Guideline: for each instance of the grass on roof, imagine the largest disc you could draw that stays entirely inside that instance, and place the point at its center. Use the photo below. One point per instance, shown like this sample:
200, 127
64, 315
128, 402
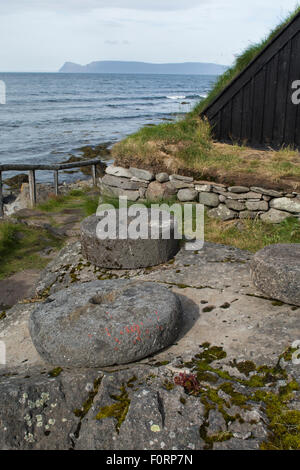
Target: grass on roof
241, 62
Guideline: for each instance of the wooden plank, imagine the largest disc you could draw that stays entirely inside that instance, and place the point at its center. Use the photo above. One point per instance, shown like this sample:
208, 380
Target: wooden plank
1, 196
291, 129
225, 132
32, 188
56, 182
258, 107
270, 100
94, 174
253, 68
281, 96
247, 114
63, 166
237, 112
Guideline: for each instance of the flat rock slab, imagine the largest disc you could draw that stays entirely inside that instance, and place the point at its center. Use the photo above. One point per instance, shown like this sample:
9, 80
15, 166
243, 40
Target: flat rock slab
17, 287
104, 323
125, 252
275, 270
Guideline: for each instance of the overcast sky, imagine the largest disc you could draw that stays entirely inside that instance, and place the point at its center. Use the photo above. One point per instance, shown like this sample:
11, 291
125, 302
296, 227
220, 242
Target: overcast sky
40, 35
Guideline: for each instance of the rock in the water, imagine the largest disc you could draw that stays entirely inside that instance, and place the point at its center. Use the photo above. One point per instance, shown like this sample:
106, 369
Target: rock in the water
222, 212
104, 323
275, 270
273, 216
286, 204
156, 243
186, 195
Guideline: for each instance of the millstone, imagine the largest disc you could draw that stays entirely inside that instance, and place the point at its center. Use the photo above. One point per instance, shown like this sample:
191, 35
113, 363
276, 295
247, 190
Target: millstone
126, 252
105, 323
275, 270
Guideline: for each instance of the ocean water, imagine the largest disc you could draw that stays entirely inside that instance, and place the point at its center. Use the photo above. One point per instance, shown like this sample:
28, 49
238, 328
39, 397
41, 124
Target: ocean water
48, 117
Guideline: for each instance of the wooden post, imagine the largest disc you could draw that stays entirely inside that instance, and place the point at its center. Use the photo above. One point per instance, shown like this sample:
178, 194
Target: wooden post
1, 196
94, 173
56, 182
32, 188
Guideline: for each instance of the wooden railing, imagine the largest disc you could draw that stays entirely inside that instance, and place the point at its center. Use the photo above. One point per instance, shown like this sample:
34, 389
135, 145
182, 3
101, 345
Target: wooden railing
32, 180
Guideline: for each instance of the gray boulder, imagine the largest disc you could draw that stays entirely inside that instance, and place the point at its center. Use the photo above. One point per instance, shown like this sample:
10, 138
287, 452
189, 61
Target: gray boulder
286, 204
222, 212
120, 249
275, 270
257, 206
235, 205
274, 216
209, 199
104, 323
162, 177
142, 174
186, 195
158, 191
118, 171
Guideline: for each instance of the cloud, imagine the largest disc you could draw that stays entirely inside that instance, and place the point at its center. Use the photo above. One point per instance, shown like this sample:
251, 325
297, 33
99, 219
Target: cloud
14, 6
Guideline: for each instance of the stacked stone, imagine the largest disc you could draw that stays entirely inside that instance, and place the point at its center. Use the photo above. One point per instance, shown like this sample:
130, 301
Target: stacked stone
221, 201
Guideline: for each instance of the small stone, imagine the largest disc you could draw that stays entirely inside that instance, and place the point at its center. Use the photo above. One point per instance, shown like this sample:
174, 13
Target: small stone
186, 195
142, 174
222, 198
186, 179
257, 206
122, 183
286, 204
238, 189
118, 171
159, 191
222, 212
162, 177
248, 215
235, 205
267, 192
181, 184
273, 216
209, 199
203, 187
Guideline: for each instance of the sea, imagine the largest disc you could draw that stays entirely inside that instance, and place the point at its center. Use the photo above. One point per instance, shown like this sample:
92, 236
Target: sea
48, 117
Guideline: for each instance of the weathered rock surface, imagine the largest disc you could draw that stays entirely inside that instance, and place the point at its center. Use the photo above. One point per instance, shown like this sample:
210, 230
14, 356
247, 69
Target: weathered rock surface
286, 204
157, 191
185, 195
222, 212
274, 216
104, 323
162, 177
142, 174
209, 199
121, 251
275, 270
140, 407
118, 171
114, 192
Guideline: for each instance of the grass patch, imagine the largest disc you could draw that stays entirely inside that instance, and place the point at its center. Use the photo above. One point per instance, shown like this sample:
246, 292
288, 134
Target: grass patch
252, 235
20, 246
75, 199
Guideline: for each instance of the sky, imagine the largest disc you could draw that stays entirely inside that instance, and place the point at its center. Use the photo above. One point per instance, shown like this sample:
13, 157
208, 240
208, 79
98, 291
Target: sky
40, 35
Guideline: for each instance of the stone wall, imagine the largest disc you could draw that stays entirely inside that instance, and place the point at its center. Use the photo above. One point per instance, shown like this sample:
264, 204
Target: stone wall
221, 201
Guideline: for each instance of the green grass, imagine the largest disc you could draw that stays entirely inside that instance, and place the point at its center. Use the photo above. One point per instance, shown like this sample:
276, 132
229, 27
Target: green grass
20, 246
242, 61
75, 199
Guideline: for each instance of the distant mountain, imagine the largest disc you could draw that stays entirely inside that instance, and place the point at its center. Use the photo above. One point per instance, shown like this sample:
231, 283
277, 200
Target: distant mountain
187, 68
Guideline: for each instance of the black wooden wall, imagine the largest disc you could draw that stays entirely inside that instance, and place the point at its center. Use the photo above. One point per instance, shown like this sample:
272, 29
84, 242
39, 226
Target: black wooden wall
256, 107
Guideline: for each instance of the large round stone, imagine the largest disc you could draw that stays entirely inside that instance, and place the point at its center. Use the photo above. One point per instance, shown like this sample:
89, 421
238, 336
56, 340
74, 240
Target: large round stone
104, 323
122, 249
275, 270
